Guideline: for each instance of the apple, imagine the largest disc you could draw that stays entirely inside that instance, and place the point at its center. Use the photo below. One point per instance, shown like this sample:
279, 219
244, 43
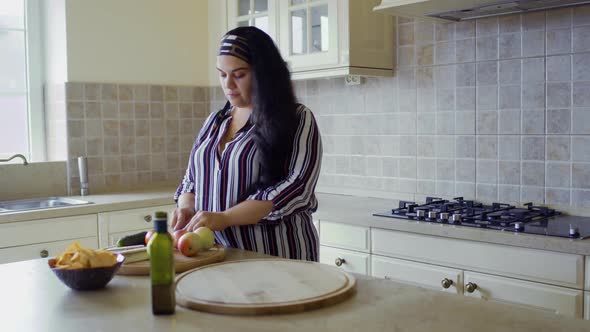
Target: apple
149, 235
188, 244
176, 236
207, 238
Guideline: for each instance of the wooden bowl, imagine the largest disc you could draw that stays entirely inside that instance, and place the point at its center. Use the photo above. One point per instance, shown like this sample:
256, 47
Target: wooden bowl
86, 279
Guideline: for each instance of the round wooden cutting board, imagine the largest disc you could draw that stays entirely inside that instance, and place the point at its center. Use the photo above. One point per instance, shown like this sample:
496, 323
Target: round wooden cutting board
181, 262
265, 286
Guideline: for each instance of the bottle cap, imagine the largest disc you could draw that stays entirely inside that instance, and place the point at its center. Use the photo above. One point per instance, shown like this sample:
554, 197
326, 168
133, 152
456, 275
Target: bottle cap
160, 225
161, 215
160, 222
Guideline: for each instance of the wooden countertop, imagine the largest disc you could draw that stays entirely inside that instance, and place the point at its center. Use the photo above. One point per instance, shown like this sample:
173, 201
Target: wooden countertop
33, 299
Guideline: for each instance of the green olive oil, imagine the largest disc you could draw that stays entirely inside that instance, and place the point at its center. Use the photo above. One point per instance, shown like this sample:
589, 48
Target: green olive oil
162, 267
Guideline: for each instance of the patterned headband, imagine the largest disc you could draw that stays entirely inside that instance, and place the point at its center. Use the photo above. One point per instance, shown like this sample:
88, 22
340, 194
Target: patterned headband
236, 46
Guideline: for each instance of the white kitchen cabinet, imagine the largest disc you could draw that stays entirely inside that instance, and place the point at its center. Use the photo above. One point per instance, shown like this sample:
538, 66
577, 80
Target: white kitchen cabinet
259, 13
587, 274
322, 38
42, 250
539, 279
587, 305
348, 260
309, 33
421, 8
418, 274
47, 230
45, 237
542, 297
114, 225
345, 236
522, 263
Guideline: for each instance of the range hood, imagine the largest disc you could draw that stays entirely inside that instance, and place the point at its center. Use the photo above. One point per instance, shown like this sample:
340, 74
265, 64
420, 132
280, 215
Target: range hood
460, 10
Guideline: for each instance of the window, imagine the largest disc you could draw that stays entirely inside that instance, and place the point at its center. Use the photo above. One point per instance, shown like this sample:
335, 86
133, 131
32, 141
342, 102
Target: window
253, 13
21, 115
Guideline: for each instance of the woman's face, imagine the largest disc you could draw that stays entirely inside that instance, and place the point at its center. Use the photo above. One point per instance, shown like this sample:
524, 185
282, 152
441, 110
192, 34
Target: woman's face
235, 77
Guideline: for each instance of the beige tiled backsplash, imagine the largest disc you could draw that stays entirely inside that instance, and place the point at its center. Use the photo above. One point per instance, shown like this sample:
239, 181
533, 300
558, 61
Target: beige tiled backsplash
496, 109
133, 135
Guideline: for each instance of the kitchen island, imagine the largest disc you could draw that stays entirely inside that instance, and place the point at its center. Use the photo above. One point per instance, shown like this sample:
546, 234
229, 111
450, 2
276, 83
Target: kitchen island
33, 299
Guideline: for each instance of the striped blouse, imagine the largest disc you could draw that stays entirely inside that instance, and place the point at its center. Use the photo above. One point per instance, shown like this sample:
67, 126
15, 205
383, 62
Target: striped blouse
220, 181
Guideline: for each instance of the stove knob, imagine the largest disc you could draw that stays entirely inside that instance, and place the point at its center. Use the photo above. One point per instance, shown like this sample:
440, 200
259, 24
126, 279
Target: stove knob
431, 214
456, 217
421, 214
574, 233
444, 216
518, 227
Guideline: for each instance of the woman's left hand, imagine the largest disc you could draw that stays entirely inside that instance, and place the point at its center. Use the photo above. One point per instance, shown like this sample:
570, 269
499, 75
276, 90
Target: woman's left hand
215, 221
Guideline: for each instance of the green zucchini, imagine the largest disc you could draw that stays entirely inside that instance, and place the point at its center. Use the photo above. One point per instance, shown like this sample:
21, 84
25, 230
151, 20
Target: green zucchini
132, 240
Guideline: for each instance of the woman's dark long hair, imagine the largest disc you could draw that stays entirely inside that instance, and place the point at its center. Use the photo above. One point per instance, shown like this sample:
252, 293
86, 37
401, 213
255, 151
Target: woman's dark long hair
274, 114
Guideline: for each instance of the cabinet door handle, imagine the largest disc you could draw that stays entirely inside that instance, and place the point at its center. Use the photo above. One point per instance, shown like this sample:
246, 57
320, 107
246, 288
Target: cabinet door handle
339, 261
147, 218
44, 253
470, 287
446, 283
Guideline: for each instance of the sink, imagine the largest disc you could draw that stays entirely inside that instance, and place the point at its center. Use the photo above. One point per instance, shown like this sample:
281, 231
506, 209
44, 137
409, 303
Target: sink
39, 203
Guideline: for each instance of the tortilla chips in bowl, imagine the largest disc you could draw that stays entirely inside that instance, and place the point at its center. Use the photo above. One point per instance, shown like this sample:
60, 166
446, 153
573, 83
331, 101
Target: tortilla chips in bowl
82, 268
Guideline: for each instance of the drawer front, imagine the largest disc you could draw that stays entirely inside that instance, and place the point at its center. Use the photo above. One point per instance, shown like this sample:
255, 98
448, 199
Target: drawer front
127, 222
356, 262
587, 305
542, 297
21, 253
418, 274
316, 223
47, 230
345, 236
523, 263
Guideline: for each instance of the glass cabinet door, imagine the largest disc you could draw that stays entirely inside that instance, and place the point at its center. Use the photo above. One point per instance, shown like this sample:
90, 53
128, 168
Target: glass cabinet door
259, 13
309, 31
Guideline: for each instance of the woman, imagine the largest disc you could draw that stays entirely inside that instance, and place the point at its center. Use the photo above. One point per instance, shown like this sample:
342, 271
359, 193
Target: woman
254, 165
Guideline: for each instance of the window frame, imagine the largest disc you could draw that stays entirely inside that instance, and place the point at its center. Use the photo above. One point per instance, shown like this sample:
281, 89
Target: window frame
36, 149
35, 78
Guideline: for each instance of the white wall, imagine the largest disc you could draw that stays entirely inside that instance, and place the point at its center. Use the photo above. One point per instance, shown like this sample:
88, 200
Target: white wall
217, 28
54, 40
138, 41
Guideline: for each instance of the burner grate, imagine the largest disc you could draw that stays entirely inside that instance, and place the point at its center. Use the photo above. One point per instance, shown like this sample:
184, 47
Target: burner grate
470, 213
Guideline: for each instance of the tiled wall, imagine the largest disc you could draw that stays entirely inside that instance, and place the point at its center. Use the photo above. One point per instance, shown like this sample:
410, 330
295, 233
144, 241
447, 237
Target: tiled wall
496, 109
133, 135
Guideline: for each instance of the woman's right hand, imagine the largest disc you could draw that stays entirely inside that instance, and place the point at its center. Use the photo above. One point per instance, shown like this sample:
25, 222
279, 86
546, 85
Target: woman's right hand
181, 217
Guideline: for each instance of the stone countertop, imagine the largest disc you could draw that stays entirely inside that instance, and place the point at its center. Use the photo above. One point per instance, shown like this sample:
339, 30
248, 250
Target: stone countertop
35, 300
100, 203
353, 210
359, 211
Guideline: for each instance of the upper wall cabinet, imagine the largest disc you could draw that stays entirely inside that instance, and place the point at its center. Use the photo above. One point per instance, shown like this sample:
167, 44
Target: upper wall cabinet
323, 38
258, 13
420, 8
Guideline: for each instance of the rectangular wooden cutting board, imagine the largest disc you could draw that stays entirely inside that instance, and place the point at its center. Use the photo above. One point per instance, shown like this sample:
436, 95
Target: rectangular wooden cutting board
181, 262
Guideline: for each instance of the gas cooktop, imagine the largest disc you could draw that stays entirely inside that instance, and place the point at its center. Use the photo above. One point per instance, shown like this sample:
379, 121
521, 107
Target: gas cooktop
529, 219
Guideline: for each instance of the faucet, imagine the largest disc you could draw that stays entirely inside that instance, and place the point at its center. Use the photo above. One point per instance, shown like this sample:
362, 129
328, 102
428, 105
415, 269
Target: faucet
25, 162
83, 170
